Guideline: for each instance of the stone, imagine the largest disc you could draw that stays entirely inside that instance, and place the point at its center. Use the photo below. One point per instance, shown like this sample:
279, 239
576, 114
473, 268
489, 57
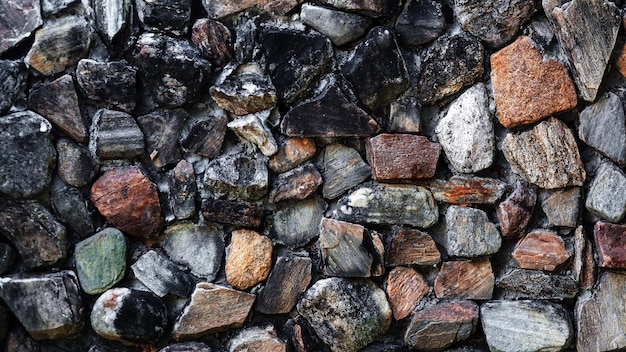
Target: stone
245, 91
199, 247
346, 314
342, 168
546, 155
451, 63
165, 15
526, 87
101, 260
115, 135
161, 130
233, 213
602, 126
288, 279
129, 315
343, 249
441, 325
405, 287
541, 250
221, 308
608, 182
72, 208
161, 276
7, 257
379, 203
75, 165
370, 8
113, 82
238, 177
583, 266
536, 284
405, 115
53, 7
127, 198
466, 131
298, 184
420, 22
469, 233
515, 211
13, 75
36, 234
224, 8
59, 45
620, 62
214, 41
27, 156
112, 18
187, 347
295, 224
204, 133
561, 206
412, 247
172, 69
249, 259
377, 85
293, 152
19, 19
526, 326
465, 280
340, 27
467, 190
252, 128
602, 20
609, 240
181, 191
49, 306
257, 339
393, 157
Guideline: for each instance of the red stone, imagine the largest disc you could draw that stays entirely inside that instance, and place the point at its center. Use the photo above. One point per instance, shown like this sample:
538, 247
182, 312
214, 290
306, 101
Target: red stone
467, 190
396, 157
405, 287
411, 246
541, 250
610, 244
465, 280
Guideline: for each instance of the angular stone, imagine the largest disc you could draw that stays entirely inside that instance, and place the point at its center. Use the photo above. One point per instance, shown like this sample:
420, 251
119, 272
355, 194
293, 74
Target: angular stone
221, 308
379, 203
36, 234
187, 347
602, 126
112, 82
610, 243
342, 168
412, 247
238, 177
213, 39
405, 287
127, 198
49, 306
18, 19
420, 22
343, 249
620, 62
13, 75
295, 224
27, 156
526, 87
535, 284
161, 129
181, 191
451, 63
393, 157
7, 257
246, 91
161, 276
101, 260
467, 190
546, 155
293, 152
561, 206
287, 281
540, 250
526, 326
298, 184
603, 199
440, 325
198, 247
171, 16
466, 131
469, 233
252, 128
224, 8
129, 315
465, 280
583, 266
115, 135
340, 27
75, 166
249, 259
404, 115
72, 208
346, 314
371, 8
233, 213
59, 45
515, 211
203, 134
112, 17
257, 339
53, 7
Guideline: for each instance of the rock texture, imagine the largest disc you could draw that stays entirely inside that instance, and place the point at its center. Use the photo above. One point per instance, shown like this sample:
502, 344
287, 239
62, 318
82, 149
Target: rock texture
541, 250
602, 126
19, 19
104, 250
465, 280
405, 287
392, 159
469, 233
608, 181
249, 259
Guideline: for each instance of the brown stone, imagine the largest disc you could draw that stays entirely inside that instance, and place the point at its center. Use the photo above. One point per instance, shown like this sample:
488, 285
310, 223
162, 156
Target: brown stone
405, 287
396, 157
584, 264
412, 246
249, 259
378, 267
127, 198
465, 280
515, 212
541, 250
528, 88
611, 244
233, 213
343, 249
467, 190
292, 153
298, 183
620, 63
213, 39
287, 281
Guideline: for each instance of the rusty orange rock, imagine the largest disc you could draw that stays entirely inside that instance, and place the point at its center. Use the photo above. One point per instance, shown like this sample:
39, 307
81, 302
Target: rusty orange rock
405, 287
541, 250
465, 280
249, 259
395, 157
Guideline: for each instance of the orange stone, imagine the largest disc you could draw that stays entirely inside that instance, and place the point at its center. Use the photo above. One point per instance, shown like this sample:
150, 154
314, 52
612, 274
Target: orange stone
411, 246
405, 287
395, 157
528, 88
465, 280
294, 152
249, 259
541, 250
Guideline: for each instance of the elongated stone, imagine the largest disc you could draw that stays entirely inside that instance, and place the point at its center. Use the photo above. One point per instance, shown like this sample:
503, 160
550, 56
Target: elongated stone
187, 347
72, 208
536, 284
115, 135
161, 130
165, 15
602, 126
213, 39
609, 240
469, 233
101, 260
343, 250
198, 247
371, 8
249, 259
335, 160
13, 75
76, 167
287, 281
541, 250
19, 18
112, 18
405, 287
602, 201
113, 82
412, 247
515, 211
223, 8
465, 280
561, 206
295, 224
298, 183
467, 190
293, 152
393, 158
238, 177
181, 192
340, 27
420, 22
234, 213
252, 128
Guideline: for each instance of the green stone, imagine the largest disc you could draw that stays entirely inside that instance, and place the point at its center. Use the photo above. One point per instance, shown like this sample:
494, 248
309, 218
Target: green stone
101, 260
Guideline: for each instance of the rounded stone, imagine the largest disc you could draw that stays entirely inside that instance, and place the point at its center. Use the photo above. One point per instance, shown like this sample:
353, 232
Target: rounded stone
101, 260
249, 259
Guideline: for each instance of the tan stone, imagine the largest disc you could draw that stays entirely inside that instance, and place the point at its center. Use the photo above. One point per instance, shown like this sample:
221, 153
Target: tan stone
405, 287
541, 250
292, 153
396, 157
411, 246
465, 280
249, 259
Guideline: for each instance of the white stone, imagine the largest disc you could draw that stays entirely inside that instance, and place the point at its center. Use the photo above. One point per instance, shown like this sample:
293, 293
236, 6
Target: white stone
253, 129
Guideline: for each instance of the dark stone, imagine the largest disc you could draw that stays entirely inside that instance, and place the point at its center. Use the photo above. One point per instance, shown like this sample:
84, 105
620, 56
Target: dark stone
161, 130
296, 223
72, 208
115, 135
535, 284
203, 134
245, 91
405, 115
515, 211
420, 22
18, 18
76, 167
159, 274
112, 18
371, 8
287, 281
237, 176
340, 27
343, 249
298, 183
342, 168
602, 126
213, 39
170, 16
7, 257
187, 347
111, 82
13, 75
233, 213
181, 191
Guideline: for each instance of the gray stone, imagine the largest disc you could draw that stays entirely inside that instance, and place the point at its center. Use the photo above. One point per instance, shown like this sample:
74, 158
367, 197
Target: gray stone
346, 314
115, 135
252, 128
602, 126
246, 91
72, 208
257, 339
371, 8
27, 156
420, 22
112, 82
112, 17
13, 76
18, 18
161, 275
379, 203
343, 249
287, 281
75, 166
52, 7
101, 260
535, 284
525, 326
238, 176
161, 130
181, 192
404, 115
224, 8
7, 257
298, 183
203, 133
469, 233
340, 27
187, 347
561, 206
604, 198
342, 168
170, 16
295, 224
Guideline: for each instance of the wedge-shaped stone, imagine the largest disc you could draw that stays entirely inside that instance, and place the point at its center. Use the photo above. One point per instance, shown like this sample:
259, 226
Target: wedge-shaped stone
469, 233
293, 152
203, 133
252, 128
396, 157
602, 126
610, 242
465, 280
515, 211
340, 27
405, 287
18, 18
161, 276
605, 198
287, 281
343, 249
412, 247
161, 129
541, 250
342, 168
467, 190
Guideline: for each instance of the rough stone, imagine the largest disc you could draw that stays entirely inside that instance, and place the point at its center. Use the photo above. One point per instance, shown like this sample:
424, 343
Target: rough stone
224, 8
161, 130
19, 18
203, 134
75, 166
295, 224
420, 22
602, 126
161, 276
469, 233
238, 177
343, 249
603, 199
198, 247
465, 280
371, 8
101, 260
213, 39
412, 247
53, 7
515, 211
181, 191
165, 15
246, 91
252, 128
342, 168
112, 18
72, 208
340, 27
257, 339
234, 213
288, 279
583, 266
187, 347
13, 75
536, 284
467, 190
610, 245
405, 115
249, 259
7, 257
112, 82
298, 183
115, 135
405, 287
293, 152
561, 206
393, 157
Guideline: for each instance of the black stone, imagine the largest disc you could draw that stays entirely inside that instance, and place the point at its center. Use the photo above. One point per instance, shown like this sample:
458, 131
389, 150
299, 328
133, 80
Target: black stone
203, 134
71, 207
233, 213
115, 135
171, 16
7, 257
139, 314
181, 192
111, 82
286, 282
76, 166
159, 274
535, 284
420, 22
213, 39
13, 76
161, 129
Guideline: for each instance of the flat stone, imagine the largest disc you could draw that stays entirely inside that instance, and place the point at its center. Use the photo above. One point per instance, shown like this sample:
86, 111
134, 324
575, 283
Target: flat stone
540, 250
181, 191
198, 247
72, 208
49, 306
346, 314
340, 27
127, 198
233, 213
161, 130
161, 276
608, 182
112, 18
298, 184
405, 115
343, 249
222, 308
342, 168
288, 279
393, 157
252, 128
249, 259
129, 315
187, 347
115, 135
19, 18
526, 87
101, 260
224, 8
371, 8
113, 82
246, 91
13, 75
465, 280
75, 165
602, 126
203, 134
420, 22
293, 152
610, 245
405, 287
27, 156
295, 224
238, 176
467, 190
7, 257
561, 206
379, 203
213, 39
535, 284
440, 325
526, 326
171, 16
469, 233
515, 211
257, 339
412, 247
466, 131
546, 155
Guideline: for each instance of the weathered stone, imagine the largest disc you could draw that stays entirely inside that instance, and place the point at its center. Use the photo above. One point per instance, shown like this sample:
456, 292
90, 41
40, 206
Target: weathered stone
246, 91
378, 253
342, 168
298, 183
53, 7
165, 15
257, 339
112, 82
343, 249
583, 266
465, 280
405, 287
466, 131
293, 152
224, 8
249, 259
115, 135
49, 306
379, 203
295, 224
112, 17
467, 190
526, 326
198, 247
252, 128
404, 115
393, 157
440, 325
561, 206
610, 243
340, 27
526, 87
213, 39
541, 250
13, 75
469, 233
234, 213
7, 257
101, 260
129, 315
371, 8
27, 156
127, 198
221, 308
412, 247
346, 314
287, 281
75, 166
620, 63
546, 155
238, 177
602, 126
187, 347
515, 211
161, 276
535, 284
181, 191
160, 129
18, 19
203, 134
603, 198
71, 207
420, 22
